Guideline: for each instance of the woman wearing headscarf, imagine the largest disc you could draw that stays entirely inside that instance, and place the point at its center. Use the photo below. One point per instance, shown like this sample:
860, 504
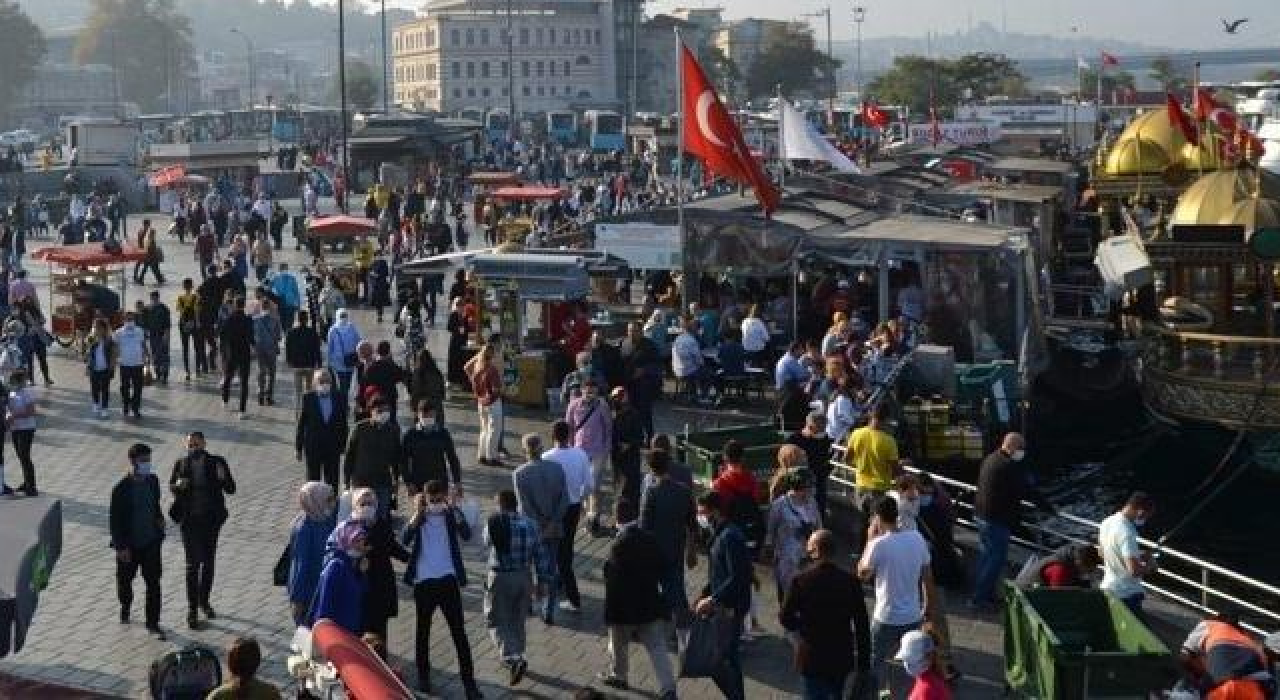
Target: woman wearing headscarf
340, 595
459, 329
789, 457
307, 537
793, 516
380, 600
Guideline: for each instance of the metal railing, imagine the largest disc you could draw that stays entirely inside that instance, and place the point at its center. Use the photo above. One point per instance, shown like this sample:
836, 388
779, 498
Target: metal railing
1212, 356
1201, 586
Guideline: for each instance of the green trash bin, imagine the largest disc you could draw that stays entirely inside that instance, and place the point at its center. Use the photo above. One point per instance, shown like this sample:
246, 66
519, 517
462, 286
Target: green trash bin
1066, 644
703, 451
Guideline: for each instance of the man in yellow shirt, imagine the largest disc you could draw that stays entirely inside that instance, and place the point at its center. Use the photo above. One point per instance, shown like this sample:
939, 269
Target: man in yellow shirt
362, 254
873, 454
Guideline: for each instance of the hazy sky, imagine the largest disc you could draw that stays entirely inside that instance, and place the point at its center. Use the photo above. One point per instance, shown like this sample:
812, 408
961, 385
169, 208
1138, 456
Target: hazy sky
1172, 23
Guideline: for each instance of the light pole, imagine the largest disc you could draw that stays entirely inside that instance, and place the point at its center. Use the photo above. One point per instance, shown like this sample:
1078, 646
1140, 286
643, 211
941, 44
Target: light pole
859, 14
831, 97
342, 91
385, 94
253, 78
511, 75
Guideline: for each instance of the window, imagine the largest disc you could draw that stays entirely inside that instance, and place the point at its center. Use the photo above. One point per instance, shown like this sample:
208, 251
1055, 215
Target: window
565, 37
584, 94
540, 91
471, 37
577, 36
525, 90
539, 69
457, 69
568, 91
504, 69
586, 37
484, 92
551, 66
552, 90
584, 60
506, 92
524, 69
471, 92
484, 69
551, 37
455, 37
431, 71
471, 70
457, 92
538, 36
566, 69
524, 36
430, 39
484, 37
597, 37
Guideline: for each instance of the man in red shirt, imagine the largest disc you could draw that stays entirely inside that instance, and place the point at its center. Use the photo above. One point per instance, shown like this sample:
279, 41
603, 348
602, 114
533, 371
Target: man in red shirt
740, 494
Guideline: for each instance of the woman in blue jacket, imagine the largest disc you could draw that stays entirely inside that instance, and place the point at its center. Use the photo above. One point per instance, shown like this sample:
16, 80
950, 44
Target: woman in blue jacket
307, 537
340, 596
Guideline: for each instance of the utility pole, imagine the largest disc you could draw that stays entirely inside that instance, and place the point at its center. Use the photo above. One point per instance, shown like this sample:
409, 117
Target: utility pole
637, 7
511, 73
385, 92
859, 14
342, 92
831, 96
115, 75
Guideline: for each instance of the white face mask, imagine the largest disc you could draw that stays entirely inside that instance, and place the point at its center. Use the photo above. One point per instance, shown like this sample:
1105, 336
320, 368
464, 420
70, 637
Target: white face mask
915, 667
142, 468
909, 508
364, 513
322, 389
1018, 455
381, 418
705, 521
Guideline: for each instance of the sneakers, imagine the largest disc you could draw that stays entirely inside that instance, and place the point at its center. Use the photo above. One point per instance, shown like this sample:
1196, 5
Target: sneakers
193, 620
518, 667
156, 632
570, 607
208, 611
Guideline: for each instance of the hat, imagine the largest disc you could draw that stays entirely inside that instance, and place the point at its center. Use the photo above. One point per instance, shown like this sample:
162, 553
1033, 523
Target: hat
1272, 642
915, 647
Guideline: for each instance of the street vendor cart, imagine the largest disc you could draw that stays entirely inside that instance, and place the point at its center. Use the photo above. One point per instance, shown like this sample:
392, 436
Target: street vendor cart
343, 235
86, 280
515, 229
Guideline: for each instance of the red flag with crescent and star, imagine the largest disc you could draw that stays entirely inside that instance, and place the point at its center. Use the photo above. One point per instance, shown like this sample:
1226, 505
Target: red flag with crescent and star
712, 135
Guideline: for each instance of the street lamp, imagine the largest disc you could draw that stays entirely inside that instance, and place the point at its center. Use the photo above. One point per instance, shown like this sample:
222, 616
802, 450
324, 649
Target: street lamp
859, 14
831, 99
385, 93
342, 93
253, 78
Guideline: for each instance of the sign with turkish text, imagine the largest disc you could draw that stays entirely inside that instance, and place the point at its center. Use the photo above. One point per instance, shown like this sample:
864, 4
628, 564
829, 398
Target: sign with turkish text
963, 133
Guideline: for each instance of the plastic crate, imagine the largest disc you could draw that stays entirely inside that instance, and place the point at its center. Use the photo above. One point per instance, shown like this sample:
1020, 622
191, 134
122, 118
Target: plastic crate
1064, 644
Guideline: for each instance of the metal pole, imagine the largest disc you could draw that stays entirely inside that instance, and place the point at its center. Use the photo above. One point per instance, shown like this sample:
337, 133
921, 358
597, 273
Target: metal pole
168, 80
831, 69
115, 75
635, 40
511, 72
859, 14
385, 93
342, 92
686, 285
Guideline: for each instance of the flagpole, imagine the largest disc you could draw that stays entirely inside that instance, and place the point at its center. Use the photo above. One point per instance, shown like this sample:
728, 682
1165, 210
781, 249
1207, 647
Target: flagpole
1195, 82
782, 156
686, 282
1097, 104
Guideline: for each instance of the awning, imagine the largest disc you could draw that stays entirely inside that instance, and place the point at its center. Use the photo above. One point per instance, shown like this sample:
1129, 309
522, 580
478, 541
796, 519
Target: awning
30, 544
89, 255
538, 277
492, 179
340, 226
365, 675
530, 192
166, 176
376, 141
440, 263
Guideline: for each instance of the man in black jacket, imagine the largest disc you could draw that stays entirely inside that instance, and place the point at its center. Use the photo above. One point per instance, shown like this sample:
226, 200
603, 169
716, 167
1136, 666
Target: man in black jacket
209, 294
427, 447
373, 456
199, 482
302, 354
667, 512
628, 443
236, 336
825, 612
633, 605
1003, 484
384, 374
728, 586
322, 430
137, 535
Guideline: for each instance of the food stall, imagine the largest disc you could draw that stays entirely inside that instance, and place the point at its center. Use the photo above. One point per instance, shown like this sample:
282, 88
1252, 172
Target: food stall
341, 234
71, 317
514, 291
516, 229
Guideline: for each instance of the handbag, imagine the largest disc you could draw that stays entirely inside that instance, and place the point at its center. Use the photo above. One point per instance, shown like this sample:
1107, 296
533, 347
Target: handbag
708, 643
148, 375
280, 574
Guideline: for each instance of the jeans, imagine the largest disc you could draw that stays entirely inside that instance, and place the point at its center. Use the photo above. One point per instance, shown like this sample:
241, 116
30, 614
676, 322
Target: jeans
822, 687
100, 387
200, 546
506, 606
653, 637
595, 507
131, 388
149, 561
190, 338
994, 551
729, 676
884, 644
440, 593
267, 375
564, 557
490, 430
549, 578
22, 440
236, 366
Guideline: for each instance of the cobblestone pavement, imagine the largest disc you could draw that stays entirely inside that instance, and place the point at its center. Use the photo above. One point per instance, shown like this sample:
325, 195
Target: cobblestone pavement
77, 640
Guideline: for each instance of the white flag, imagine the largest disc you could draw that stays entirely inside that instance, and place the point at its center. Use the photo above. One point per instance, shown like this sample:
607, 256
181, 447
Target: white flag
1082, 64
800, 141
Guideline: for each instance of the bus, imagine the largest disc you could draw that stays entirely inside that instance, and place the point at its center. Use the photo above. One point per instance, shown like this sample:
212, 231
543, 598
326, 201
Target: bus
562, 126
605, 130
497, 125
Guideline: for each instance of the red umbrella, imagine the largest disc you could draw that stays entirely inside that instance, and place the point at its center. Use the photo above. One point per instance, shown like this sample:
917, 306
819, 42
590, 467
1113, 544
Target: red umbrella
528, 193
341, 226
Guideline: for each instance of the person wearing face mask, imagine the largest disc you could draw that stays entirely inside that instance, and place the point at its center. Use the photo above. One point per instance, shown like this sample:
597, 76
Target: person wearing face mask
380, 599
793, 516
321, 435
728, 585
131, 357
1124, 564
308, 533
340, 594
437, 576
429, 453
1003, 484
199, 483
919, 654
374, 456
591, 424
137, 533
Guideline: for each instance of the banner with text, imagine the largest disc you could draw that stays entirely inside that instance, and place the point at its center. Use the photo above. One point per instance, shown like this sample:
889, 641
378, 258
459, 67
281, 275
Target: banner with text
966, 133
643, 246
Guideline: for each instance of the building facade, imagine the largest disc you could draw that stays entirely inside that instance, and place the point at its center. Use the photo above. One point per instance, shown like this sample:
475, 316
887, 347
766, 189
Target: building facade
745, 39
456, 56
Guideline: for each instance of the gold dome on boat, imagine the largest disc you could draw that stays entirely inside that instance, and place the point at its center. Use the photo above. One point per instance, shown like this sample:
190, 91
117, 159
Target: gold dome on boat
1147, 146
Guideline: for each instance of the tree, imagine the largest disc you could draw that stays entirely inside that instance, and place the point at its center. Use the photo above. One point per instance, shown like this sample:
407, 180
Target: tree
1267, 75
363, 85
917, 81
1112, 81
721, 70
1170, 78
987, 74
147, 42
20, 51
790, 59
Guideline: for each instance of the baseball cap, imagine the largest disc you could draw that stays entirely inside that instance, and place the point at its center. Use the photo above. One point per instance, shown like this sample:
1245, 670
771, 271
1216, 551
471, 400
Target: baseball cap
915, 648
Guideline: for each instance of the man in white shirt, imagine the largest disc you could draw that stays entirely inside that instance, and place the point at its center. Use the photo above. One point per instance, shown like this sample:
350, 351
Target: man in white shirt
1124, 564
897, 560
579, 480
131, 350
755, 334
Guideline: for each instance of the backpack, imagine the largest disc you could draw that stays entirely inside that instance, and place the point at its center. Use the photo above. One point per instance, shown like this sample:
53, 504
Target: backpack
12, 358
190, 673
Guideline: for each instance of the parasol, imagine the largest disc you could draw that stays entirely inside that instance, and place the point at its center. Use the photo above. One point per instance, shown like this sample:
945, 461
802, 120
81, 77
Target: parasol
30, 543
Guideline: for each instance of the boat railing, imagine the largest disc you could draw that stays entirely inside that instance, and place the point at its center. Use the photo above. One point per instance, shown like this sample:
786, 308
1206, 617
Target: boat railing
1201, 586
1211, 356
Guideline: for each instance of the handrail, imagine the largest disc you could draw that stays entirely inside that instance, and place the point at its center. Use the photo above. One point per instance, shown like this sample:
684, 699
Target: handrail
1210, 337
1191, 591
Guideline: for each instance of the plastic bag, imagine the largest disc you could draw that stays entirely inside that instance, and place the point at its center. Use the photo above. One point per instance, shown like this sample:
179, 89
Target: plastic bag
707, 645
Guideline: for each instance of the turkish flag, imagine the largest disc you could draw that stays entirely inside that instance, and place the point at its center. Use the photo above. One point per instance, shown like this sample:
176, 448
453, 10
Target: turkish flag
1228, 123
712, 135
875, 116
1109, 60
1179, 118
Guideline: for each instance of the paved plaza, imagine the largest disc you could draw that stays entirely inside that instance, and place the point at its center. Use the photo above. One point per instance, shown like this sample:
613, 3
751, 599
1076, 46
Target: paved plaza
77, 640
